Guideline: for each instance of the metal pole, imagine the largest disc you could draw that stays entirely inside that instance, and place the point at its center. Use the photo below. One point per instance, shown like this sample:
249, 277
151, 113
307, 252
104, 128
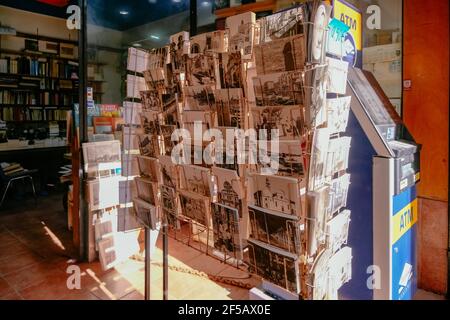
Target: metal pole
193, 17
165, 261
147, 263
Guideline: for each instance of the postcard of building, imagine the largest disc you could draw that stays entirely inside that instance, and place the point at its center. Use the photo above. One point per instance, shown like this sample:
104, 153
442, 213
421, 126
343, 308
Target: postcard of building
228, 187
196, 179
205, 120
202, 70
278, 194
316, 96
149, 168
215, 41
169, 206
151, 100
337, 231
169, 172
317, 33
338, 110
167, 144
241, 29
227, 235
274, 265
286, 54
319, 152
337, 72
146, 213
338, 193
231, 70
337, 157
148, 145
283, 24
230, 107
150, 122
199, 98
195, 207
147, 190
279, 89
318, 213
289, 121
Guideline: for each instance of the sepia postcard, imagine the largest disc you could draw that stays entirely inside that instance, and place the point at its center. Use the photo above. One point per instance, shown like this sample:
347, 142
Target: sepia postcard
199, 98
204, 119
150, 122
274, 265
167, 145
146, 213
195, 207
149, 168
151, 101
98, 154
316, 96
289, 121
283, 24
318, 32
196, 179
215, 41
279, 89
148, 145
147, 190
201, 70
169, 206
287, 54
227, 235
241, 29
229, 106
231, 70
169, 172
228, 188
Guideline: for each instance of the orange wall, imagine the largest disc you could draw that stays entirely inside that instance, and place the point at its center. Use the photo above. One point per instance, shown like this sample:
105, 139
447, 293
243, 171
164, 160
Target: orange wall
426, 105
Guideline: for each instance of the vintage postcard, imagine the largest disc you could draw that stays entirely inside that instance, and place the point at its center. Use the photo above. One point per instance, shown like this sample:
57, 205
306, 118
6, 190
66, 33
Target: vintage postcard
169, 172
149, 168
195, 207
317, 33
274, 265
287, 54
241, 29
228, 187
279, 194
204, 120
279, 89
338, 154
340, 271
148, 145
150, 122
151, 101
316, 97
201, 70
318, 162
196, 179
288, 121
147, 190
169, 206
199, 98
178, 48
215, 41
146, 213
318, 208
337, 231
227, 235
166, 138
231, 70
337, 72
283, 24
277, 229
229, 106
97, 153
338, 193
157, 58
338, 110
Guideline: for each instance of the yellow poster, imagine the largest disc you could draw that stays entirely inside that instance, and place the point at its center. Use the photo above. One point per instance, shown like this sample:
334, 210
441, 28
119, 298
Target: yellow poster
352, 18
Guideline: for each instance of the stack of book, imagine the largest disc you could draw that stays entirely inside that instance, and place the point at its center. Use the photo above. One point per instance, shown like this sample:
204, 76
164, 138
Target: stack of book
11, 168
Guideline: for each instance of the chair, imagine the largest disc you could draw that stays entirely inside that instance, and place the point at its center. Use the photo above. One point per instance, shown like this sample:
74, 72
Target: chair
9, 179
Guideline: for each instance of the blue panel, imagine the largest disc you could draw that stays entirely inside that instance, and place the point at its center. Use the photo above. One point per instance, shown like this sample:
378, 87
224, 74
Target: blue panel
403, 199
360, 203
403, 253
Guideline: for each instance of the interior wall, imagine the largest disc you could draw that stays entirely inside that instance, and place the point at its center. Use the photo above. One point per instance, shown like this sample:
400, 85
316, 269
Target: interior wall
426, 114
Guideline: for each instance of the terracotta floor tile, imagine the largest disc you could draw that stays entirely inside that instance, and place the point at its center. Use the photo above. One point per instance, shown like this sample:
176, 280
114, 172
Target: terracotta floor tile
32, 275
12, 249
5, 288
11, 295
53, 288
19, 261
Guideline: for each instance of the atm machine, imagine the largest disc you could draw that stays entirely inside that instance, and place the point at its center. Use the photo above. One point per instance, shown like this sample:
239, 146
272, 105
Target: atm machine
384, 164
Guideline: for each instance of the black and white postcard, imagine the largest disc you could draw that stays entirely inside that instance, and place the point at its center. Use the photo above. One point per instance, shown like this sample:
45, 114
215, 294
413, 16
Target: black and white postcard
279, 89
227, 235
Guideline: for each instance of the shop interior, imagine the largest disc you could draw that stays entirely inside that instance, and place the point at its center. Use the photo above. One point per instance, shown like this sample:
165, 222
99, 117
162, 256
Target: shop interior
59, 103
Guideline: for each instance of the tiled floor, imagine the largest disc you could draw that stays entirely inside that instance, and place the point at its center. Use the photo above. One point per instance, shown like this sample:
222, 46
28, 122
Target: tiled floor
36, 251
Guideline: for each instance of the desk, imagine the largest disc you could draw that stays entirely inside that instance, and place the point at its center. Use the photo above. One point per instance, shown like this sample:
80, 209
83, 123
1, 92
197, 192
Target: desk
42, 156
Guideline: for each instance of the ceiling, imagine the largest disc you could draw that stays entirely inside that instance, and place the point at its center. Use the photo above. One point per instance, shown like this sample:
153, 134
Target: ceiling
107, 13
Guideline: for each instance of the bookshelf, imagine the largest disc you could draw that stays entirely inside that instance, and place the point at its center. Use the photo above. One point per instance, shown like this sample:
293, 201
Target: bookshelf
38, 83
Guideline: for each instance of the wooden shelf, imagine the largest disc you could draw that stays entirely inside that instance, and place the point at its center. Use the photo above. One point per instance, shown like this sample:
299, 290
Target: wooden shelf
54, 56
17, 75
254, 7
16, 105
